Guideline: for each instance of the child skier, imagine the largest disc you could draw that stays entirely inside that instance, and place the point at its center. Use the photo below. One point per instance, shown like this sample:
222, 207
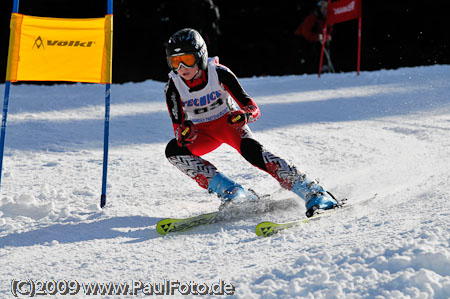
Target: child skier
208, 107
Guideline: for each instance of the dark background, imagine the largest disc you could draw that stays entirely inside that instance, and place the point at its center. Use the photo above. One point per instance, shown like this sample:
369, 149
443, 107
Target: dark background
256, 35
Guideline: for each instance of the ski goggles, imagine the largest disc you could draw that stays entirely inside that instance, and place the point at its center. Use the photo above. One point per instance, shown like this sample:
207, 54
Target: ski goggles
187, 60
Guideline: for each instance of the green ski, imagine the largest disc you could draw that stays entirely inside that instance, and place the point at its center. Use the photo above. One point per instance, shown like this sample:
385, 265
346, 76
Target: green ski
266, 204
267, 228
169, 225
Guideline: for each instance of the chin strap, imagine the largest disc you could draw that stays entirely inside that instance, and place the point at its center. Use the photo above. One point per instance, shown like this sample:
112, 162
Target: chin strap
196, 81
193, 78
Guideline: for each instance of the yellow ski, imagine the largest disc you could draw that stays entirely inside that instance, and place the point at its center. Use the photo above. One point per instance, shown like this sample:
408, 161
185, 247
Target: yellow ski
169, 225
267, 228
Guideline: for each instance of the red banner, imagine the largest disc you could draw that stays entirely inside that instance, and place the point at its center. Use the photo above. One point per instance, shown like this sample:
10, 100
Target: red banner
342, 11
338, 12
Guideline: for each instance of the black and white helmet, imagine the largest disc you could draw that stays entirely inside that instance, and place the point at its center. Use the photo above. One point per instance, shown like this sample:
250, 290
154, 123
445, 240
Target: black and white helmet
187, 41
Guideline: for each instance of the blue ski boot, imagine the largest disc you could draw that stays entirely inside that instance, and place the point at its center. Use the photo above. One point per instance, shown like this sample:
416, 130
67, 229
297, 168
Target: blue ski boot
316, 198
229, 191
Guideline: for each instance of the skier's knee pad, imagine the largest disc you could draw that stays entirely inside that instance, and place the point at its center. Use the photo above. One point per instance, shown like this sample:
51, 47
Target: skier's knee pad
252, 151
172, 149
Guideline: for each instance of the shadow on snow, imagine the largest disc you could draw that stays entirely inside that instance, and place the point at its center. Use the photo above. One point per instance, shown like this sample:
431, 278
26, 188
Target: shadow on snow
79, 232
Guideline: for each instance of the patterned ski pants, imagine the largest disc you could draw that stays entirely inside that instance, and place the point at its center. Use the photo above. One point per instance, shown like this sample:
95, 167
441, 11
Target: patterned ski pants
210, 136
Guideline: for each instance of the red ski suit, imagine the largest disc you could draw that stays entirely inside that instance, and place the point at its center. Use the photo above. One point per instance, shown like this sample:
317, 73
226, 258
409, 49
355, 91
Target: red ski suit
214, 129
207, 103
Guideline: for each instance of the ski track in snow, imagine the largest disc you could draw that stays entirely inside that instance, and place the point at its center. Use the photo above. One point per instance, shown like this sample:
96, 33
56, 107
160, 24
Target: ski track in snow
384, 132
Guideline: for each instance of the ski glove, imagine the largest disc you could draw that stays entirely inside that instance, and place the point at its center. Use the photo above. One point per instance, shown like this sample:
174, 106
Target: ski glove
237, 118
240, 118
186, 133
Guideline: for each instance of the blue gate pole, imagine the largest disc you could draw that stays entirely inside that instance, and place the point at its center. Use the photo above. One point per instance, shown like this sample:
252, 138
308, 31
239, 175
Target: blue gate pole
109, 11
5, 108
105, 144
5, 114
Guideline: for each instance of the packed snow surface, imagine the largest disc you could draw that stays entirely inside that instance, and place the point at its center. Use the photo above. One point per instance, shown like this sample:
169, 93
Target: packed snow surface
384, 132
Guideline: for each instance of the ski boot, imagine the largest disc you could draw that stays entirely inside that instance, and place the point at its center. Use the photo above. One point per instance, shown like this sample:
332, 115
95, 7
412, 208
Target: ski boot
316, 198
229, 191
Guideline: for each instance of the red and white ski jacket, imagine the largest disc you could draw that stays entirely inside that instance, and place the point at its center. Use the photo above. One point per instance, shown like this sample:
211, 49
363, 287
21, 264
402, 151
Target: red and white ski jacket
208, 98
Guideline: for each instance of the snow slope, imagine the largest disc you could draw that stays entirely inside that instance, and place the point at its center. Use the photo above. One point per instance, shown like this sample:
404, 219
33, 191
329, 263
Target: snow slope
385, 132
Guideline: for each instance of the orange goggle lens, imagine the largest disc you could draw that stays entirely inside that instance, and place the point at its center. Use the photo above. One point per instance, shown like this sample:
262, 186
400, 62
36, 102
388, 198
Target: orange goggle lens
188, 60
